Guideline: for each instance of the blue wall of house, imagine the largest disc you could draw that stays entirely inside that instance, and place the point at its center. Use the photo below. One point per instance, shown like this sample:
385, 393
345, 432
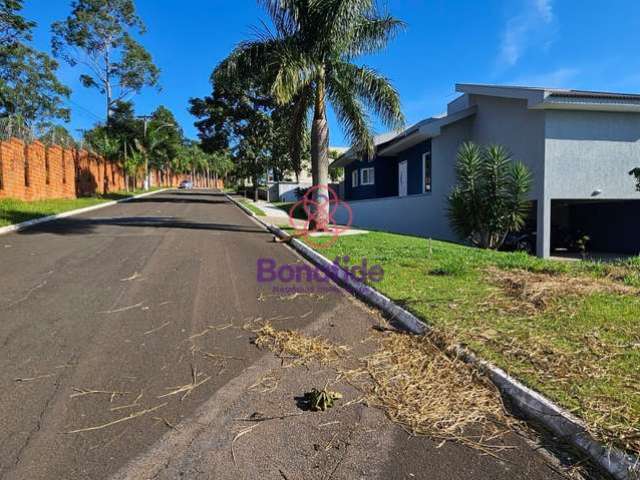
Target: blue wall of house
386, 174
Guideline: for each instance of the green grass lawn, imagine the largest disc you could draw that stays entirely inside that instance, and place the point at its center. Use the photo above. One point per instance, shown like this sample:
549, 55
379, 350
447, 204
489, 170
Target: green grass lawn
568, 329
252, 206
16, 211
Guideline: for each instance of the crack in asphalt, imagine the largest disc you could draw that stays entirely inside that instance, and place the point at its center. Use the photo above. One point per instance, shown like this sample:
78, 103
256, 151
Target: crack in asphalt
41, 416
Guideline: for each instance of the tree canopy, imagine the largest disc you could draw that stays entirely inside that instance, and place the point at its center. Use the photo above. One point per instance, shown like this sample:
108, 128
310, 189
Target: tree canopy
29, 87
242, 116
98, 36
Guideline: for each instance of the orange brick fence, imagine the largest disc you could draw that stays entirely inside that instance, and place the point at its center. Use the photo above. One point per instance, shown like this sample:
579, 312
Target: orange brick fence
38, 172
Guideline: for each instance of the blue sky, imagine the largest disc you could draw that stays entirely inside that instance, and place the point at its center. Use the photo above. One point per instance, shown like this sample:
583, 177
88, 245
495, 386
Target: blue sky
590, 44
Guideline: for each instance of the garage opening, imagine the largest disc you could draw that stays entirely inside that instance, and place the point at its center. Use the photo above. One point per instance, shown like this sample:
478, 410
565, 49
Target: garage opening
612, 226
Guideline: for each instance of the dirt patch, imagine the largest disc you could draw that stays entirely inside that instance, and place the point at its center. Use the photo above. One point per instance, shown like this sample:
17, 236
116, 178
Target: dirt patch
538, 291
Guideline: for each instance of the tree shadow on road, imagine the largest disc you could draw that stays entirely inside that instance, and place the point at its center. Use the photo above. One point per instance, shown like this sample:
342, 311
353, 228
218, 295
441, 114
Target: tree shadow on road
74, 226
174, 199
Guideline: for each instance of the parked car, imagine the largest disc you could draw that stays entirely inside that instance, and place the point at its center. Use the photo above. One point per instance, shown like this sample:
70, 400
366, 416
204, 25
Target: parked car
186, 185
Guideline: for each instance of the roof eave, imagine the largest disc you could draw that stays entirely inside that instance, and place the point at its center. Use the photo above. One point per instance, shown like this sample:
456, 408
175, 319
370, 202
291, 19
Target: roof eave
589, 106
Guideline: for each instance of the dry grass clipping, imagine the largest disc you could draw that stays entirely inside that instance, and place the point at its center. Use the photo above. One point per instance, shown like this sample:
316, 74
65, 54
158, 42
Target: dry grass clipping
295, 344
414, 382
188, 388
428, 393
537, 291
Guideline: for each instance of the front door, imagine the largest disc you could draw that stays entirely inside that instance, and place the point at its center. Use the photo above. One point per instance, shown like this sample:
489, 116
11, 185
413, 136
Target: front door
402, 179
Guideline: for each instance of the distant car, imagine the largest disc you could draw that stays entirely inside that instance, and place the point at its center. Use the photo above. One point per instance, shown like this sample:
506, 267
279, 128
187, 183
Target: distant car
186, 185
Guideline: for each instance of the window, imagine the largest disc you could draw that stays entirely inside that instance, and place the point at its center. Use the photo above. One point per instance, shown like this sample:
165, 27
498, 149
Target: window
354, 178
367, 176
426, 170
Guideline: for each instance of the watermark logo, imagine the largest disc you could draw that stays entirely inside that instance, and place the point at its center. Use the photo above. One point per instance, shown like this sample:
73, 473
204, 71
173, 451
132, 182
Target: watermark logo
306, 278
327, 217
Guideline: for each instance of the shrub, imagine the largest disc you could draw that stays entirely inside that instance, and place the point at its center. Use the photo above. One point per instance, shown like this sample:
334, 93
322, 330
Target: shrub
490, 198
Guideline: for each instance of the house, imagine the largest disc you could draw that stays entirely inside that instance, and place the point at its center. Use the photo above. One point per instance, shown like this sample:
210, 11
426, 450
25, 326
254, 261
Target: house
579, 145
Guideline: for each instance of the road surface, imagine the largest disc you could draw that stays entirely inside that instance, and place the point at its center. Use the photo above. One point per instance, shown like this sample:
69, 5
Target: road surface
106, 319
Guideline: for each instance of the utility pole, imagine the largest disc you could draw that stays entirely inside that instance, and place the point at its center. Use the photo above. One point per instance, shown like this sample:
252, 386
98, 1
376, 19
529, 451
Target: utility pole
146, 119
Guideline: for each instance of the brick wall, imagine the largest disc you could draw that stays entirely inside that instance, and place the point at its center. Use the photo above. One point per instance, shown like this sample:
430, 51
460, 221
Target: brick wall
38, 172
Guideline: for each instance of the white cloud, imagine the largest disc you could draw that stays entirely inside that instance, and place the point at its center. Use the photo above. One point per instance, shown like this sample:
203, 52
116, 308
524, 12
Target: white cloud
545, 10
529, 27
560, 78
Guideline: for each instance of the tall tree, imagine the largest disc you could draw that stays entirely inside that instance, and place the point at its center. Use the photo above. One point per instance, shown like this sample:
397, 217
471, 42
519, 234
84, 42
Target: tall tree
98, 36
163, 121
29, 88
309, 58
242, 116
238, 117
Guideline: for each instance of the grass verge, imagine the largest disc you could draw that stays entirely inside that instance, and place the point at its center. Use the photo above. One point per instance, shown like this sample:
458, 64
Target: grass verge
571, 330
252, 206
14, 211
298, 213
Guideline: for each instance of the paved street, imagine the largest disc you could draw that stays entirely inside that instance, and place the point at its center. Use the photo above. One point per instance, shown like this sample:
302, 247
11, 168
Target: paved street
104, 314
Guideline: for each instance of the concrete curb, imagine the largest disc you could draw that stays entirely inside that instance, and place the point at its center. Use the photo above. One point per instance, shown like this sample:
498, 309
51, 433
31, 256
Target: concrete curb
569, 429
29, 223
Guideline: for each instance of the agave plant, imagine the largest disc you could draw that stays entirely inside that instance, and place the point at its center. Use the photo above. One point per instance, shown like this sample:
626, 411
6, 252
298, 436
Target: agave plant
491, 196
309, 62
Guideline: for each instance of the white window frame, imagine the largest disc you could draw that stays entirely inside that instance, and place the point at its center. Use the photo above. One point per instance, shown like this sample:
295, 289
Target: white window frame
354, 178
425, 156
371, 176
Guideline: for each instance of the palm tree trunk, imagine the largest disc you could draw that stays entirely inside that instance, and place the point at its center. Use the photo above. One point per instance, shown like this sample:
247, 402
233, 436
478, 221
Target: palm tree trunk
320, 159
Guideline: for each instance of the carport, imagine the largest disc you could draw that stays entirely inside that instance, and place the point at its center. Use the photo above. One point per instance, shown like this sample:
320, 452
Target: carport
613, 226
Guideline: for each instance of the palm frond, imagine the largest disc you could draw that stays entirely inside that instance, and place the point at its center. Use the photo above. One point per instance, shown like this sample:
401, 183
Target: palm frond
286, 15
370, 35
373, 90
351, 114
293, 74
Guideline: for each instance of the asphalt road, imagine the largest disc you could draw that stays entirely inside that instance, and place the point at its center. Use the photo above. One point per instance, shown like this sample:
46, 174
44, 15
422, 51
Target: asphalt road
134, 299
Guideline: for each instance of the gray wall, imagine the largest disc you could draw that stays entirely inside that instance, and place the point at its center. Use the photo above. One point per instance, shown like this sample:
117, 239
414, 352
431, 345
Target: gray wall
588, 151
510, 123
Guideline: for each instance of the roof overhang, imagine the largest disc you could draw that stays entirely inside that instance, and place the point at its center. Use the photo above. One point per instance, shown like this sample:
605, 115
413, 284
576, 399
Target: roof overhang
343, 160
533, 96
558, 102
558, 99
424, 130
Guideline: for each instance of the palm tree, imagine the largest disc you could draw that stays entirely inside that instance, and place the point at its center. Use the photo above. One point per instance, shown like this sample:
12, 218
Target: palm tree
308, 62
149, 146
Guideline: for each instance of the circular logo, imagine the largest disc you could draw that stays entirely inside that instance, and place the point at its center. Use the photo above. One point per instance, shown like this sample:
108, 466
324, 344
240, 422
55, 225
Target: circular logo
325, 216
